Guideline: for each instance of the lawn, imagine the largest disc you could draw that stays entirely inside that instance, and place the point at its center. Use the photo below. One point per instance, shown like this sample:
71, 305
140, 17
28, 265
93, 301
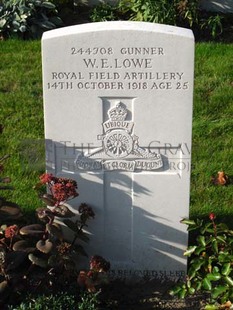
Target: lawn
22, 117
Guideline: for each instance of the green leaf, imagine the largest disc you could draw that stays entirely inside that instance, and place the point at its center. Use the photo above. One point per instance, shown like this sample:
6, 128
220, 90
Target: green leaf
16, 24
200, 249
223, 257
188, 222
56, 21
222, 227
229, 280
190, 250
191, 228
218, 291
214, 276
174, 291
215, 245
23, 16
201, 240
191, 290
206, 228
16, 18
197, 265
198, 285
2, 22
48, 5
231, 293
206, 284
182, 293
22, 28
199, 222
226, 269
191, 273
221, 239
211, 307
46, 24
215, 269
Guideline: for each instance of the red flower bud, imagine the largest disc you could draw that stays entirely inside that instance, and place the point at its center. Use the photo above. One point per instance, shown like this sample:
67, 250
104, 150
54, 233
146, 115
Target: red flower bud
212, 216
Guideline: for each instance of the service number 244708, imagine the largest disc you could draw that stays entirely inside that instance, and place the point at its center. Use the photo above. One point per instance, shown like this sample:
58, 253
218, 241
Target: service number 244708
92, 51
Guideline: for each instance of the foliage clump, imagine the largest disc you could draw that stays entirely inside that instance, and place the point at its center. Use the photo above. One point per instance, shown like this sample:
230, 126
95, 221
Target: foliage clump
211, 262
38, 255
180, 13
27, 18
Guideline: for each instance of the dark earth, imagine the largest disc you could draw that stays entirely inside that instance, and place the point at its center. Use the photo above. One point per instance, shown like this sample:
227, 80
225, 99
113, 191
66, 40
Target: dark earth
148, 294
117, 294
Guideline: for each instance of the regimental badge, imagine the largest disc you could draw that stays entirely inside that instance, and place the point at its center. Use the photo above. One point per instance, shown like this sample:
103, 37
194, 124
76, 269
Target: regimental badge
120, 147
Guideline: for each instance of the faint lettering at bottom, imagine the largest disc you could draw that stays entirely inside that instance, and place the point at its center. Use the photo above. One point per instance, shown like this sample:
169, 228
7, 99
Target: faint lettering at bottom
125, 273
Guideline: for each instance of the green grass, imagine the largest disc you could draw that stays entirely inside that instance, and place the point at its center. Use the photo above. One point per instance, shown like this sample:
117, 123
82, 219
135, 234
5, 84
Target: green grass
60, 300
212, 129
21, 114
22, 117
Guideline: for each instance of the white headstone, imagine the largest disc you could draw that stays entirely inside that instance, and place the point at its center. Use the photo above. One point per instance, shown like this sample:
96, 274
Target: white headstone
118, 119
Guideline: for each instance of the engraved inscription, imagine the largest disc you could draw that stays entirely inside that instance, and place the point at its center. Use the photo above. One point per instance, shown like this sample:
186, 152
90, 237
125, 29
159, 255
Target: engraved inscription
124, 51
92, 51
119, 68
142, 51
161, 274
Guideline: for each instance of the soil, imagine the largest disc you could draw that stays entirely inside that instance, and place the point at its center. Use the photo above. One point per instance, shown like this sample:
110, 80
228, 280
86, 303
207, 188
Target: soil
147, 295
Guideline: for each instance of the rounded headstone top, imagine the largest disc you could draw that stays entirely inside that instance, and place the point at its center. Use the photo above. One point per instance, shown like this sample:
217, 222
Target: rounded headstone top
118, 25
